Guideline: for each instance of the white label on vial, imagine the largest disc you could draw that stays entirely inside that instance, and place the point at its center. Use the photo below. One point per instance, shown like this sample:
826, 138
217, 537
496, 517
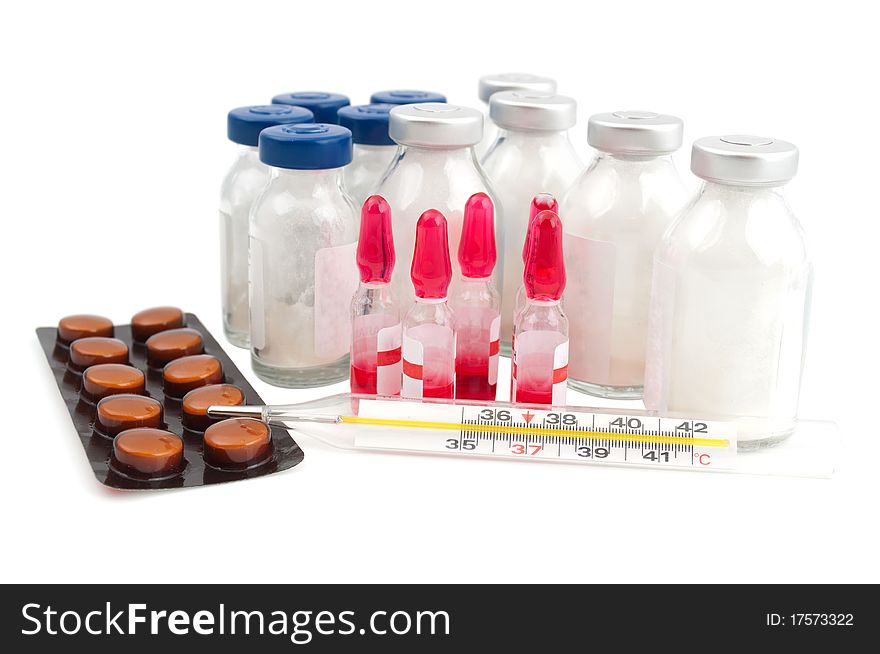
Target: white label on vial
257, 303
388, 360
494, 349
560, 373
659, 344
336, 281
540, 364
589, 299
413, 368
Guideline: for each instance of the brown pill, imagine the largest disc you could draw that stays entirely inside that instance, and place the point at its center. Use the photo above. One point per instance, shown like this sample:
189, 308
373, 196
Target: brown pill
71, 328
186, 373
172, 344
152, 321
148, 452
237, 443
117, 413
107, 379
91, 351
196, 403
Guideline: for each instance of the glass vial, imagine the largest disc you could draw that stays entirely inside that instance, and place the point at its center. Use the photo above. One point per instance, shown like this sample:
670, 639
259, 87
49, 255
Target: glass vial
241, 186
375, 326
491, 84
731, 294
303, 233
323, 105
428, 329
532, 154
476, 304
615, 215
436, 169
540, 359
373, 149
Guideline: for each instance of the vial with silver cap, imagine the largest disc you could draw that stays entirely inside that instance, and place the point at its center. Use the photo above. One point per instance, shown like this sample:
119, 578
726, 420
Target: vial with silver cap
614, 216
435, 168
491, 84
241, 187
532, 155
731, 293
303, 235
373, 149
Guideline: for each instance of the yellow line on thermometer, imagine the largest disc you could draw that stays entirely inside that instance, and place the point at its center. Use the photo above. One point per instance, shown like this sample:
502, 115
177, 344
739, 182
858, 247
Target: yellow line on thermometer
537, 431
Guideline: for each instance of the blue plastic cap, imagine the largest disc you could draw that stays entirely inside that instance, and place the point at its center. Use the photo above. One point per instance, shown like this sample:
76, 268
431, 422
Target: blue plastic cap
323, 105
368, 123
405, 96
309, 146
244, 124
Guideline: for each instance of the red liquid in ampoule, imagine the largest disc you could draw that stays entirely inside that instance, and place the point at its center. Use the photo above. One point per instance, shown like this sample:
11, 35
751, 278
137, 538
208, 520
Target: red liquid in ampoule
438, 376
363, 367
472, 381
526, 396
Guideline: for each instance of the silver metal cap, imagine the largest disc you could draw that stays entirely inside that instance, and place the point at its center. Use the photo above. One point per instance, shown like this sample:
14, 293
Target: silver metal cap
435, 125
532, 110
635, 133
490, 84
742, 160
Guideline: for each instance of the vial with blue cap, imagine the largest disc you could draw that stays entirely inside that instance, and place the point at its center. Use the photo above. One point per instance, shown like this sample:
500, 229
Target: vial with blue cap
241, 186
303, 236
323, 105
406, 96
373, 149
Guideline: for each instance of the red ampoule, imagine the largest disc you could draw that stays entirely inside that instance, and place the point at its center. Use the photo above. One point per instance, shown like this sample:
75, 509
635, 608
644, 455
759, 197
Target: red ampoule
539, 203
540, 361
476, 304
428, 333
375, 326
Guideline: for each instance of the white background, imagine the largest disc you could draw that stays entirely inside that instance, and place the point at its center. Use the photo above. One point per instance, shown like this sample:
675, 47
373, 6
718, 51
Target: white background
113, 148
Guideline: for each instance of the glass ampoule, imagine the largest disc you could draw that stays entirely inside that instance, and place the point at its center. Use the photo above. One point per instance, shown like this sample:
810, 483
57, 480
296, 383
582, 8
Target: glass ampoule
375, 326
429, 326
540, 363
539, 203
476, 304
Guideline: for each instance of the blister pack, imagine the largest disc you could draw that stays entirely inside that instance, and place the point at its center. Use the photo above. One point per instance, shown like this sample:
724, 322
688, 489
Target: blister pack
138, 397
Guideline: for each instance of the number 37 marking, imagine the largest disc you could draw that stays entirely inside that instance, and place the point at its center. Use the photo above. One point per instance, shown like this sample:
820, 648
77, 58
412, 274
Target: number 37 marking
526, 448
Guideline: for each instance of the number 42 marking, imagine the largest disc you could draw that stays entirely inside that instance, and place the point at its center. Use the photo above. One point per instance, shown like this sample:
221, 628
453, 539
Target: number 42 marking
525, 448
